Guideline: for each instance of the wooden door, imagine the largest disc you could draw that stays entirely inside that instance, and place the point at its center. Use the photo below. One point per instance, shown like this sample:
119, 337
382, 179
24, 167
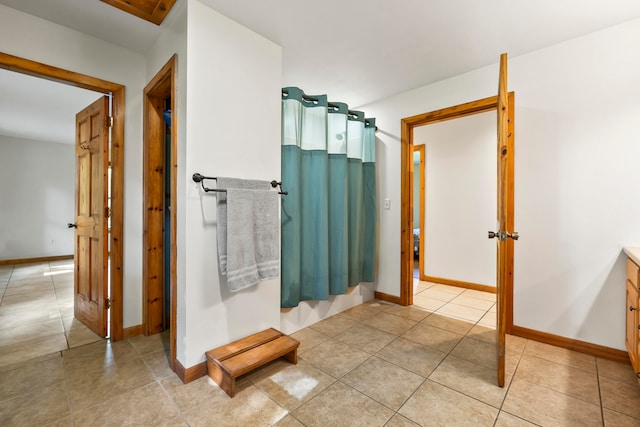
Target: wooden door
91, 217
504, 235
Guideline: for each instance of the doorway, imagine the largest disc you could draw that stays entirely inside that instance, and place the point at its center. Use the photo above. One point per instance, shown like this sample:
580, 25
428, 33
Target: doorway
160, 150
460, 199
408, 126
117, 91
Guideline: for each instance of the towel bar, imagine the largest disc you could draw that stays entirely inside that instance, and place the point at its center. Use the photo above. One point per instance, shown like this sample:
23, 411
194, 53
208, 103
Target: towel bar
200, 178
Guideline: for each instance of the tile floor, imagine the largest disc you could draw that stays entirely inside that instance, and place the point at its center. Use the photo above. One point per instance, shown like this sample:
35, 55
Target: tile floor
376, 364
36, 311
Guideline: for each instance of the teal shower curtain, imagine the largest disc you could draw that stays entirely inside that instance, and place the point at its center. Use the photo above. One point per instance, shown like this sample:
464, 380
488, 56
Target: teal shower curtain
329, 227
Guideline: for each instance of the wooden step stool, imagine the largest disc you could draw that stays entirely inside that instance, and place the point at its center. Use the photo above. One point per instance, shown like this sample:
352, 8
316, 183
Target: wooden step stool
226, 363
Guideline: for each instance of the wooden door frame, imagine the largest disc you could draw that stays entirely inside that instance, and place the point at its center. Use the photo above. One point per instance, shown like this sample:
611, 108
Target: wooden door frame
117, 91
422, 149
162, 85
406, 186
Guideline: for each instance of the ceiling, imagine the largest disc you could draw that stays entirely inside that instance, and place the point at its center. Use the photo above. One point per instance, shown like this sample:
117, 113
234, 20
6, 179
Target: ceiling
362, 51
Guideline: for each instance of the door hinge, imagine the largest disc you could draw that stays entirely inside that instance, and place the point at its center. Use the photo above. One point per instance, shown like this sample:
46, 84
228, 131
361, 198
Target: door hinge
108, 122
107, 212
107, 303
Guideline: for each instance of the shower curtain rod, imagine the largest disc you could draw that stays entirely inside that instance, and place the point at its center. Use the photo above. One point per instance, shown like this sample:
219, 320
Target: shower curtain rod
200, 178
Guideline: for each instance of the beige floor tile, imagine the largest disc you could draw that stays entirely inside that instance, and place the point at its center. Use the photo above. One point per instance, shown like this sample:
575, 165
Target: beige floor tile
447, 288
507, 420
435, 404
468, 300
291, 385
309, 338
461, 312
334, 325
158, 362
487, 296
561, 355
384, 382
190, 395
334, 357
341, 405
96, 356
20, 352
408, 312
81, 335
547, 407
616, 419
427, 303
26, 332
89, 387
459, 326
365, 338
289, 421
148, 344
616, 370
433, 337
621, 397
249, 407
25, 301
28, 377
417, 358
471, 379
39, 407
391, 323
489, 320
400, 421
437, 293
420, 286
360, 313
561, 378
144, 406
483, 333
28, 287
476, 351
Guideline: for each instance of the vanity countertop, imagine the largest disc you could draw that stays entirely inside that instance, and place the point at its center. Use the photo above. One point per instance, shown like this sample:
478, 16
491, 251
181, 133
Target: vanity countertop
633, 253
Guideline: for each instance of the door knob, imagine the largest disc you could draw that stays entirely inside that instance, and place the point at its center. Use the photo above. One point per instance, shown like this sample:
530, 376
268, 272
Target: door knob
70, 225
631, 308
513, 235
493, 235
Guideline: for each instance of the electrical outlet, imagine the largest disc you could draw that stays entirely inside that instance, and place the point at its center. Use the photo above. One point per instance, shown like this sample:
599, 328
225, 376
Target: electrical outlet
387, 204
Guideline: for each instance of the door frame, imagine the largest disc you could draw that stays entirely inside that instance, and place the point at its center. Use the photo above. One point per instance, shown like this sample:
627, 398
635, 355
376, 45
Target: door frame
422, 150
117, 91
406, 185
161, 86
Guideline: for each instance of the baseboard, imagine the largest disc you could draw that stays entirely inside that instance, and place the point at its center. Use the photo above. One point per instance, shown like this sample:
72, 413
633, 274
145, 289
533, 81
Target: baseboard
192, 373
571, 344
30, 260
386, 297
131, 331
460, 284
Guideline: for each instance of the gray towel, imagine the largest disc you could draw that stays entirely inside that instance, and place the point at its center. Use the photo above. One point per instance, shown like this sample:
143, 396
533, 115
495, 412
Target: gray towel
249, 250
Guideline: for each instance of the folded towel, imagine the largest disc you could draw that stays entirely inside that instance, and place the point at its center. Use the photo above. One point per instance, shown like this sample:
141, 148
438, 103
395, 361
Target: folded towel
253, 251
248, 232
221, 211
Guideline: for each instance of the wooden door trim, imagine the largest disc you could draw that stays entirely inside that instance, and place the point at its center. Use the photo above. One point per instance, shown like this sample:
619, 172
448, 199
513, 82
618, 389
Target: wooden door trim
117, 91
163, 83
406, 187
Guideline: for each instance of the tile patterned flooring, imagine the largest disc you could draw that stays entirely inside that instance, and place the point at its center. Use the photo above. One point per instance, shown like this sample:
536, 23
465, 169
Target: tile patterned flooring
377, 364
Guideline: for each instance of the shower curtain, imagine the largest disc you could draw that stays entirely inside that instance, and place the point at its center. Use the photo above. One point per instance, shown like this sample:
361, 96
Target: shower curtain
329, 240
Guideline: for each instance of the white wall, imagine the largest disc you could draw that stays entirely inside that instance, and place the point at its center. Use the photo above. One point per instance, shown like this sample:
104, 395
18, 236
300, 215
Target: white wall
576, 172
37, 195
460, 192
33, 38
232, 129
